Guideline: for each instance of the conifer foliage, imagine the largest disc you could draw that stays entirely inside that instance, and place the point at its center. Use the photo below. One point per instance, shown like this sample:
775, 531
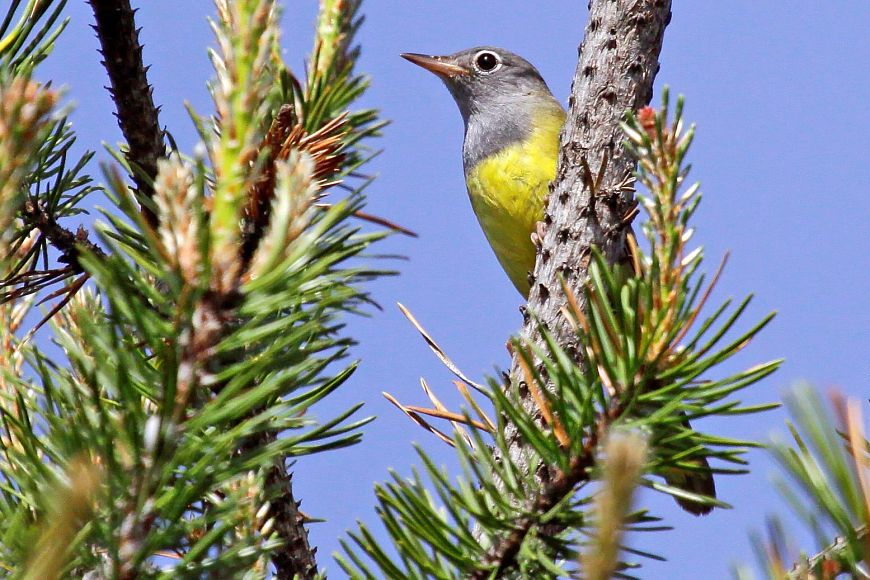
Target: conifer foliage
197, 325
653, 350
150, 413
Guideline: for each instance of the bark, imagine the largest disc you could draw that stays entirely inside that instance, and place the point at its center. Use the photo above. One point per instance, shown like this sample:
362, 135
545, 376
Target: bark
296, 558
590, 203
66, 242
618, 63
136, 113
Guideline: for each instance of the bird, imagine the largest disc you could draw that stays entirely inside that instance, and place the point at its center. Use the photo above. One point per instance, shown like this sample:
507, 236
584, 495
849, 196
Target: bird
512, 125
509, 154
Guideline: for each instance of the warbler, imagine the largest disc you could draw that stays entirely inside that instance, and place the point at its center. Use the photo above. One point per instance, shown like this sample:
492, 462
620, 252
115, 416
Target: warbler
512, 126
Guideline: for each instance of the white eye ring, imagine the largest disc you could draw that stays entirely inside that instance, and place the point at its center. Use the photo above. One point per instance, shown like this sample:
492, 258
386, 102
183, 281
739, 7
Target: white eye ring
479, 68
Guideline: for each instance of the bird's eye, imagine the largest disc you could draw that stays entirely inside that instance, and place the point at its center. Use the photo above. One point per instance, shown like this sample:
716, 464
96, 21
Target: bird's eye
487, 61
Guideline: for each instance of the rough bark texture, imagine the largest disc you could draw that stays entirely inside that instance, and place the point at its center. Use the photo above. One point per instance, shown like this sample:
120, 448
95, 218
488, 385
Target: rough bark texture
136, 113
69, 244
615, 72
296, 558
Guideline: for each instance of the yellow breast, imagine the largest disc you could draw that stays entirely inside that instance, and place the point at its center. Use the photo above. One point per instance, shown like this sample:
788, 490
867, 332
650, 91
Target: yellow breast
508, 192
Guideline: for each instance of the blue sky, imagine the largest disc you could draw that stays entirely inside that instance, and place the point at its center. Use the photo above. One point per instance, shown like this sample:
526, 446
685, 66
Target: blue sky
778, 91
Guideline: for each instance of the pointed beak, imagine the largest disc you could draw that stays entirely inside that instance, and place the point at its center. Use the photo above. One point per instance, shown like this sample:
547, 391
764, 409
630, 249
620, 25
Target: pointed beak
440, 65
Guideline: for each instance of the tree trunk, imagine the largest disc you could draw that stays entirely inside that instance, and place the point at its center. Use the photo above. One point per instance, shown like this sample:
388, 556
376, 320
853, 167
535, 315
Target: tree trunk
615, 72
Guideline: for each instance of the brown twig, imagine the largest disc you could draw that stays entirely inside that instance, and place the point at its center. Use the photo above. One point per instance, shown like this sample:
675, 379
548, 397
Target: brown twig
63, 240
136, 113
69, 245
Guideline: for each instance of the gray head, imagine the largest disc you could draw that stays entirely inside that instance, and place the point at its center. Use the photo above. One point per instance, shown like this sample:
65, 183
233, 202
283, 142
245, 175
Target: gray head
498, 94
486, 79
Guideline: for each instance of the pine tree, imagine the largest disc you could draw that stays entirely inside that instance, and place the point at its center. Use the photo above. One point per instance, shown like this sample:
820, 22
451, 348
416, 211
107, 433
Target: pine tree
201, 320
198, 322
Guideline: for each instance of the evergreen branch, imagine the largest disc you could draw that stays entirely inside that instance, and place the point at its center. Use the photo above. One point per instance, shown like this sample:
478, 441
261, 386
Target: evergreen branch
828, 468
40, 213
69, 244
323, 140
828, 561
285, 136
133, 96
221, 375
644, 369
32, 145
332, 84
502, 556
615, 72
189, 378
35, 145
312, 115
625, 456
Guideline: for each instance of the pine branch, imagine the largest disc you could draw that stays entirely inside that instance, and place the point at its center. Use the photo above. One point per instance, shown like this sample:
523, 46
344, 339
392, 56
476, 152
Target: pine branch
69, 244
188, 379
32, 145
827, 560
136, 113
502, 555
828, 487
644, 359
312, 119
615, 72
296, 557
